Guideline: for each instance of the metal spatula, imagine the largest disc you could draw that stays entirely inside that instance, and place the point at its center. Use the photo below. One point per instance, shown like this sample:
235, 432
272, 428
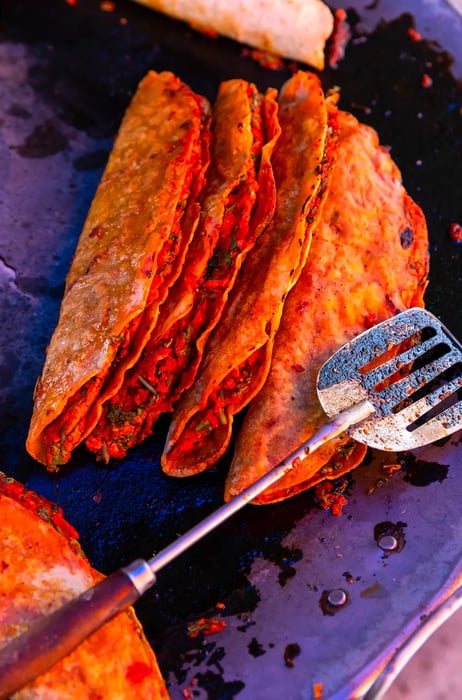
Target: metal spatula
409, 371
397, 386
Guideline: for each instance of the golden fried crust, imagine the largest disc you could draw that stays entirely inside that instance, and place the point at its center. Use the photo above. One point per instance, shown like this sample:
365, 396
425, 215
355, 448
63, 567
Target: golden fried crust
368, 260
231, 220
194, 304
296, 29
271, 268
40, 569
119, 253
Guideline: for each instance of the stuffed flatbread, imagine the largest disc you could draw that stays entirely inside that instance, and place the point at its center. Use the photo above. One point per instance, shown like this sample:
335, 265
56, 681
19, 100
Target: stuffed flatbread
130, 252
368, 261
238, 353
42, 566
237, 203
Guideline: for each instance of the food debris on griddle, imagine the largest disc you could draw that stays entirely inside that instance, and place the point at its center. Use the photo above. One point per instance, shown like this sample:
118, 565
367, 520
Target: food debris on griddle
290, 653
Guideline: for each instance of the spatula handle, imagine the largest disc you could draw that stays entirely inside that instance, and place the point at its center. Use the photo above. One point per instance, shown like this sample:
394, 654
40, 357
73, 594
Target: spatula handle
336, 425
56, 635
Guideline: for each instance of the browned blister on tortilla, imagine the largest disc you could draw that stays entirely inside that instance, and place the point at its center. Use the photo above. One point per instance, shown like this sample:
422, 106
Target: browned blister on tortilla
130, 252
237, 355
368, 260
236, 205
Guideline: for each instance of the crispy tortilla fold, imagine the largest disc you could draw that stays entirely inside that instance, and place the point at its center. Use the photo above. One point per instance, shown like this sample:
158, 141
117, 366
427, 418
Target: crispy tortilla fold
296, 29
368, 261
237, 205
238, 352
42, 568
130, 252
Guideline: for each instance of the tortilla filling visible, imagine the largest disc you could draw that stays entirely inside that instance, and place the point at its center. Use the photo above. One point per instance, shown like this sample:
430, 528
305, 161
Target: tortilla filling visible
225, 400
62, 435
168, 364
206, 435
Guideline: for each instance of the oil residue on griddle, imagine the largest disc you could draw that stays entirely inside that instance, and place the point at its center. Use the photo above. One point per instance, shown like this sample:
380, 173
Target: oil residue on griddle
92, 161
216, 687
246, 622
290, 653
44, 141
376, 590
285, 558
215, 657
255, 648
422, 473
349, 578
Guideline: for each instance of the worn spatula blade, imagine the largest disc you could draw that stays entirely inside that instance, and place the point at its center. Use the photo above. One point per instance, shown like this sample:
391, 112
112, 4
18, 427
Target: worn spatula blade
410, 368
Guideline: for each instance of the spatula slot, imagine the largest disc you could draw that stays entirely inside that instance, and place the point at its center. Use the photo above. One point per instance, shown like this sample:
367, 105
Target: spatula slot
443, 392
407, 369
437, 385
395, 350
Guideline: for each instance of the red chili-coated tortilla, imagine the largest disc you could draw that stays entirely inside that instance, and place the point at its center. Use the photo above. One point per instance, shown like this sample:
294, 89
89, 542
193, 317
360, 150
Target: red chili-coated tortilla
130, 252
237, 355
41, 568
237, 204
368, 260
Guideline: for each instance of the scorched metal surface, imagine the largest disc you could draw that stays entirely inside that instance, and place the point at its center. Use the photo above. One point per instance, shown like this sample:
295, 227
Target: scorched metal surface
67, 72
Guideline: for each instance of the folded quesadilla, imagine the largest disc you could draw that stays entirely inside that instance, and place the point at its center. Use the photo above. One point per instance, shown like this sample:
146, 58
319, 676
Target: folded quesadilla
368, 260
42, 567
238, 352
236, 205
130, 253
296, 29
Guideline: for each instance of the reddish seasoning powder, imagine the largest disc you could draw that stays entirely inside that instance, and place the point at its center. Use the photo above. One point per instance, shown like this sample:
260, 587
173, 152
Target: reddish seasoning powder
426, 81
137, 672
413, 34
317, 691
341, 35
207, 31
455, 232
265, 58
205, 626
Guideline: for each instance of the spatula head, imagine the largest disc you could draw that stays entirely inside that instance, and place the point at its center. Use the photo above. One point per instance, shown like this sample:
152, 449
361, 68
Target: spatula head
410, 368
